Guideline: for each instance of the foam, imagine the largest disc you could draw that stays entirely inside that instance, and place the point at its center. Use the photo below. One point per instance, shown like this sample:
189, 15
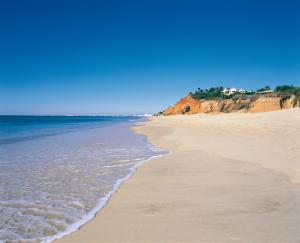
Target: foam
101, 203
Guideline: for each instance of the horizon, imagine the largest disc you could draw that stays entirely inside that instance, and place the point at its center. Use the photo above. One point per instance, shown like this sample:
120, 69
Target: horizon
99, 115
138, 57
128, 114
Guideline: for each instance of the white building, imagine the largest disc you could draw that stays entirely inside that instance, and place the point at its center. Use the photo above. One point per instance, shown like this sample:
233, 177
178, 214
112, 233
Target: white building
264, 92
230, 91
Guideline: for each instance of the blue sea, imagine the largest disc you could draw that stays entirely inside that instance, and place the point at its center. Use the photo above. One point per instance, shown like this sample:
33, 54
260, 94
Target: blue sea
57, 172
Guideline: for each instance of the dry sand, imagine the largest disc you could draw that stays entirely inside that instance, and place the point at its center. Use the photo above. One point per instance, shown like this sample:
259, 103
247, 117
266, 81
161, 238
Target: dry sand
229, 178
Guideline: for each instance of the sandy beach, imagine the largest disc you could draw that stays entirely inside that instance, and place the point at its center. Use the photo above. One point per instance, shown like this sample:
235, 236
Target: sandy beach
228, 178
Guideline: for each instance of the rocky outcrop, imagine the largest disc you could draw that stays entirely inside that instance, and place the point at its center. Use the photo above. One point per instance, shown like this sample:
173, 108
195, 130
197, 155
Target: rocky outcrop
254, 103
263, 104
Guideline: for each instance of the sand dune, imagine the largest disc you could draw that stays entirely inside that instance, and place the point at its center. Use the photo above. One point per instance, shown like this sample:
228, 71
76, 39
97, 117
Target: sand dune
229, 178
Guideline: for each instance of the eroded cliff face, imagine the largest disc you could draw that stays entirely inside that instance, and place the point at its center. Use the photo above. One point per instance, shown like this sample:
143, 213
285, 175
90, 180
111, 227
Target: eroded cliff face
189, 105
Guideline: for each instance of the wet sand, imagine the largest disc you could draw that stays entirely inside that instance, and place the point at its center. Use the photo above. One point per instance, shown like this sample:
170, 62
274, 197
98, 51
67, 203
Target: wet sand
228, 178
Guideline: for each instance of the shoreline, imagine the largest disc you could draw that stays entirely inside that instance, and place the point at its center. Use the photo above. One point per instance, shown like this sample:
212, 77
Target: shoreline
90, 216
97, 209
202, 193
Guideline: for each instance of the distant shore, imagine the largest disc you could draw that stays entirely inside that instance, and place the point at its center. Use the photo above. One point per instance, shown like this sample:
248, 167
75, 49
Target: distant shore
229, 178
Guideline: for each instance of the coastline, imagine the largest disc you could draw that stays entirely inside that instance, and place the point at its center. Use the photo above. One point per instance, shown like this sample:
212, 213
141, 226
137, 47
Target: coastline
97, 209
229, 178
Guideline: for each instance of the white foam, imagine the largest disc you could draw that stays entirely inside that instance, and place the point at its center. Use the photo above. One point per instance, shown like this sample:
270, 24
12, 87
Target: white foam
101, 203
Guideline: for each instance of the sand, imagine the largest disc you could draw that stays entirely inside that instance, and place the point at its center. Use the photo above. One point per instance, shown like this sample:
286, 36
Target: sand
228, 178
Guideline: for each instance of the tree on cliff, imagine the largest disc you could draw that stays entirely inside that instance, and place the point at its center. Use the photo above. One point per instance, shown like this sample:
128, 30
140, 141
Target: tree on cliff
288, 89
266, 88
208, 94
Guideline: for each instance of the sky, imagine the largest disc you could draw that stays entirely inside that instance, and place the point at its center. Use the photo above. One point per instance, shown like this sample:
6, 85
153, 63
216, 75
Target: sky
60, 57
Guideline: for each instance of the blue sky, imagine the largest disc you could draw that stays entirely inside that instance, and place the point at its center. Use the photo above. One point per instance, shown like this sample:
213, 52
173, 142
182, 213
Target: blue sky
120, 57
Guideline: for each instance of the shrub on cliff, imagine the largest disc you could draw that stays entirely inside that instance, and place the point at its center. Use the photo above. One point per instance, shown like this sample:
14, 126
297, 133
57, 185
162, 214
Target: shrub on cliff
266, 88
215, 93
209, 94
160, 113
288, 89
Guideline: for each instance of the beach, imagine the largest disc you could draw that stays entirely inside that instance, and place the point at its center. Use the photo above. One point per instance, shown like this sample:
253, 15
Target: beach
228, 178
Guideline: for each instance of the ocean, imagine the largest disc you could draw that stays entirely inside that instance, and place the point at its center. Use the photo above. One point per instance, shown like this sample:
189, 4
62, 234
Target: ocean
57, 172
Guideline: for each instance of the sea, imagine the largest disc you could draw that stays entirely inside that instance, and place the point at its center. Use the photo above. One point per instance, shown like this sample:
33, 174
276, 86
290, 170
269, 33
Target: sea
57, 172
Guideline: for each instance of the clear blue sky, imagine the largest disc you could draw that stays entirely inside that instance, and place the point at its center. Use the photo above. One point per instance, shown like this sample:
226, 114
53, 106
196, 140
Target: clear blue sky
118, 57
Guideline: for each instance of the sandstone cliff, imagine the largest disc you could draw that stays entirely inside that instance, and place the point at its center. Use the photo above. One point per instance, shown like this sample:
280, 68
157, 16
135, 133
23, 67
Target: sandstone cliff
254, 103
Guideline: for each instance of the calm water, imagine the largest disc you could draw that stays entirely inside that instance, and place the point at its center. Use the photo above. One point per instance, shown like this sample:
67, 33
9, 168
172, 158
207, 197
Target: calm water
57, 172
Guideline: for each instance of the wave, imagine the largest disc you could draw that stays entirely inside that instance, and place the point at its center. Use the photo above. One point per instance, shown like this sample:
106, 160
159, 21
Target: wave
101, 203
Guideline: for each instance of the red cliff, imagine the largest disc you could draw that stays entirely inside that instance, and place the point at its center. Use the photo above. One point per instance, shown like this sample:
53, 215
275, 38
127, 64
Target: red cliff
255, 103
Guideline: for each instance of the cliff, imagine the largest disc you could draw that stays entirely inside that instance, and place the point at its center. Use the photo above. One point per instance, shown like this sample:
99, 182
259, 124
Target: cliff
253, 103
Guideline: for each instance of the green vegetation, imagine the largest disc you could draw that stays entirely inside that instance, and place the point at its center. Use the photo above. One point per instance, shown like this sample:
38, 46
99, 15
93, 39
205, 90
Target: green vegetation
266, 88
288, 90
209, 94
215, 93
160, 113
249, 93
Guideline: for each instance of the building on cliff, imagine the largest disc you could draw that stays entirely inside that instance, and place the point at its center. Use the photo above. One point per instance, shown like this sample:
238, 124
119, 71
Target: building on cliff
264, 91
230, 91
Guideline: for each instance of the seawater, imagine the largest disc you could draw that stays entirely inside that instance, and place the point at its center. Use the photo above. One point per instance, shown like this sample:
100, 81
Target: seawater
56, 173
